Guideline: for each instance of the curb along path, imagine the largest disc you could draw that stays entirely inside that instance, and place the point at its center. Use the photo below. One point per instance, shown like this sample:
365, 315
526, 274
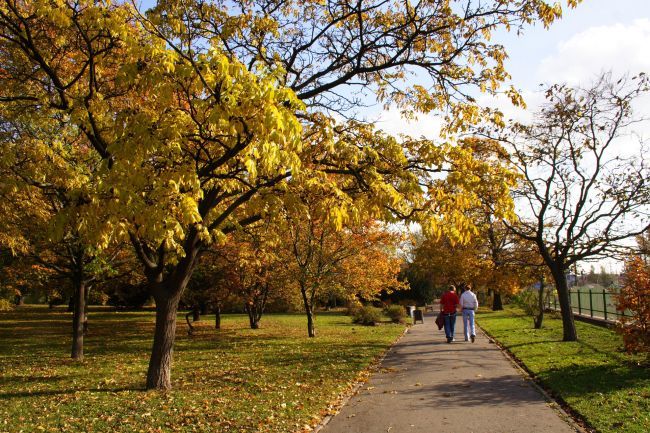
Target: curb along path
426, 385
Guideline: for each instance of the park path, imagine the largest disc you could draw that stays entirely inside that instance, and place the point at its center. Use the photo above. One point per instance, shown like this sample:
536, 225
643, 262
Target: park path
425, 385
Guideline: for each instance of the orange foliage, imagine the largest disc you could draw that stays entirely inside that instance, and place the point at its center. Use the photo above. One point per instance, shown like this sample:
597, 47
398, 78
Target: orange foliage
635, 297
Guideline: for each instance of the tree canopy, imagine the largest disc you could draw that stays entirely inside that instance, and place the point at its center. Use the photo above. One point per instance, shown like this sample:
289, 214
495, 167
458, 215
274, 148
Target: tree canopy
195, 118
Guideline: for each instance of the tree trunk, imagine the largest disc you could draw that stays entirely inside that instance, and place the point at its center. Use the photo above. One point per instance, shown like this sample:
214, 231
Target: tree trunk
167, 293
77, 319
160, 363
253, 316
497, 303
568, 324
20, 300
539, 318
217, 317
86, 296
190, 329
311, 331
196, 313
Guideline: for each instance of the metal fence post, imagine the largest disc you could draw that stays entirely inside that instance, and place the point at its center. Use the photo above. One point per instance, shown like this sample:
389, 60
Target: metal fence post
605, 303
579, 302
591, 305
555, 302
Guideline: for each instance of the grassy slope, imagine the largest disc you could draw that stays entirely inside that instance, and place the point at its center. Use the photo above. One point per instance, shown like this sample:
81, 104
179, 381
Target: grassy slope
273, 379
608, 388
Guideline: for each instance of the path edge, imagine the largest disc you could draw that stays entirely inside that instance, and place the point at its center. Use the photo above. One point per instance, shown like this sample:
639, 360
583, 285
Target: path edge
566, 412
345, 396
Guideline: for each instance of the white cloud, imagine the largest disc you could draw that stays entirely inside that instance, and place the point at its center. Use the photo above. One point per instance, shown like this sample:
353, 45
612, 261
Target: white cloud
617, 47
578, 60
392, 122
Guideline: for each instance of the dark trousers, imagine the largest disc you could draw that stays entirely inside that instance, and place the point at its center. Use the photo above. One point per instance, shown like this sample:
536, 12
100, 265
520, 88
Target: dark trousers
450, 323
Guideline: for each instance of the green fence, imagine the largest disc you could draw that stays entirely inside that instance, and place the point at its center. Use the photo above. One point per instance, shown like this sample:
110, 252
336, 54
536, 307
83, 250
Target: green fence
599, 304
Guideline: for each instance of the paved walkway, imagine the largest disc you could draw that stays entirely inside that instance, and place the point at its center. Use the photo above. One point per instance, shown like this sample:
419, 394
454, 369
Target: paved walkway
425, 385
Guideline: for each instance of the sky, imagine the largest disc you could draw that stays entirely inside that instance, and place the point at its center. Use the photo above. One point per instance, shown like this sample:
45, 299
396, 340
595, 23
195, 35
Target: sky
599, 35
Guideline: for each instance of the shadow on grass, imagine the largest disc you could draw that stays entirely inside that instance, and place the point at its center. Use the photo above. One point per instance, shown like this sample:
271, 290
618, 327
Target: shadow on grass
534, 343
578, 381
53, 392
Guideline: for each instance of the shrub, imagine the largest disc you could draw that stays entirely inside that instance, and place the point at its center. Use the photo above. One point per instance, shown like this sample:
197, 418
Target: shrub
527, 301
128, 295
368, 316
396, 313
635, 296
353, 307
5, 305
97, 297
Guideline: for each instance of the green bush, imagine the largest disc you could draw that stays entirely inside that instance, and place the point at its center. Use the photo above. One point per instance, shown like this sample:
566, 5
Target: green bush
527, 301
396, 313
368, 316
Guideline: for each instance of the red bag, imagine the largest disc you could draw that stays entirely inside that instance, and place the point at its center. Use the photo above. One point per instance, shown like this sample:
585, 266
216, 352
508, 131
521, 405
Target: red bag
440, 321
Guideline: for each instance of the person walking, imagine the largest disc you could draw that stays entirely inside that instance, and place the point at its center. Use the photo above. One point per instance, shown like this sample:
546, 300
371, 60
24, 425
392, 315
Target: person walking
468, 304
448, 306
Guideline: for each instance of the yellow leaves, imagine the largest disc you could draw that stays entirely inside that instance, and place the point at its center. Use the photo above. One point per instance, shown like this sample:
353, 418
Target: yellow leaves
189, 210
56, 12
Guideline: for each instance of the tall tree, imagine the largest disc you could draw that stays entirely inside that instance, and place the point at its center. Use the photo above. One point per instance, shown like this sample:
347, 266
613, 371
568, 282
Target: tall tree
257, 273
45, 205
320, 256
580, 195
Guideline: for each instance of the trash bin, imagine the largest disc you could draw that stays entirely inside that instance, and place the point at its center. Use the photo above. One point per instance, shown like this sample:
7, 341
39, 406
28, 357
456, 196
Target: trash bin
409, 310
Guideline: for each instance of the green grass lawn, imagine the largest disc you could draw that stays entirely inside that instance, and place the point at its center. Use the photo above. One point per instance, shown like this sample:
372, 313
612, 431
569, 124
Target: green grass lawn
273, 379
608, 388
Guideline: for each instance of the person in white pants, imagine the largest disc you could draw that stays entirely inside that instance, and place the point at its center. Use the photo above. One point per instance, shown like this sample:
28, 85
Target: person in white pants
468, 304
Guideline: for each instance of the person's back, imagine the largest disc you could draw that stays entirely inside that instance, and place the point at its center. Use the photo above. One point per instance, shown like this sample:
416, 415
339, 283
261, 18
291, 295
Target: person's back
468, 303
449, 301
468, 300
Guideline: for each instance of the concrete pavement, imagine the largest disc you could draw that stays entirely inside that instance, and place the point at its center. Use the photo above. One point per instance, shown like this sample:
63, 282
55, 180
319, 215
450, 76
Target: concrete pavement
425, 385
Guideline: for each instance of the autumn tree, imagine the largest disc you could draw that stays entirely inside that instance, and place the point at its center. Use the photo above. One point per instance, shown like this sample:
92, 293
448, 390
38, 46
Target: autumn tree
580, 195
635, 297
354, 259
210, 287
45, 213
192, 110
643, 246
488, 258
257, 272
